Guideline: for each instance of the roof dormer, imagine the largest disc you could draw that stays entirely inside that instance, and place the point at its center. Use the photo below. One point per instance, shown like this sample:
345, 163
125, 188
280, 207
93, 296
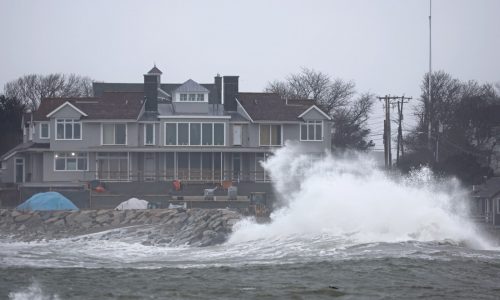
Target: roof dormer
191, 91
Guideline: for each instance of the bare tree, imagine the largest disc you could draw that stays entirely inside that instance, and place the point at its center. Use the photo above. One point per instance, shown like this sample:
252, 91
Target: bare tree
337, 98
463, 118
30, 89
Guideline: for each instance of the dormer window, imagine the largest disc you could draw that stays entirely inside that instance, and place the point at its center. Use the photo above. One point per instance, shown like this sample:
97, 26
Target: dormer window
192, 97
191, 91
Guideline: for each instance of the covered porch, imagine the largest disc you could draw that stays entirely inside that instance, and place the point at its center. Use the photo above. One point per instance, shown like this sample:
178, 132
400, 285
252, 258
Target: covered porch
185, 166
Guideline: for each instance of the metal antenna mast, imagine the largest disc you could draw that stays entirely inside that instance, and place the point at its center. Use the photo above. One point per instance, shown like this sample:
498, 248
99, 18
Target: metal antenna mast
429, 101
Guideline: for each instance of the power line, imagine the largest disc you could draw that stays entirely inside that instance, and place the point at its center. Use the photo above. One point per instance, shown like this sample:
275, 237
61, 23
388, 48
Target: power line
388, 102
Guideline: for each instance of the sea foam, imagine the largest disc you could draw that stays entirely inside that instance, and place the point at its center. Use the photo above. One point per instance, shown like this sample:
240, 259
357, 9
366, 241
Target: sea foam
352, 198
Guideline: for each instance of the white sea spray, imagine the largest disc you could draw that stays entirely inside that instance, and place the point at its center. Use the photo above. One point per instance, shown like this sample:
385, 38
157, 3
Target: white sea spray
350, 197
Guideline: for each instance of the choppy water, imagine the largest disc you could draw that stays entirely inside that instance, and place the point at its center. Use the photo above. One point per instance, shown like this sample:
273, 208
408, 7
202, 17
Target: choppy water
346, 231
287, 268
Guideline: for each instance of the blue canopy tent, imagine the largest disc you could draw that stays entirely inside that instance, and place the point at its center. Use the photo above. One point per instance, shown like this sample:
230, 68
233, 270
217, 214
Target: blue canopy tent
47, 201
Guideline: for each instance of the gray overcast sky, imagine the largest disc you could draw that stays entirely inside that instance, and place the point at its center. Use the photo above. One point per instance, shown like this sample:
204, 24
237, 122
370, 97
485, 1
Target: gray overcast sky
382, 45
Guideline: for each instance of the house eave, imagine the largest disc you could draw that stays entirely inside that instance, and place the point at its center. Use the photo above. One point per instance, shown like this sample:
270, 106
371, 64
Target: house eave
63, 105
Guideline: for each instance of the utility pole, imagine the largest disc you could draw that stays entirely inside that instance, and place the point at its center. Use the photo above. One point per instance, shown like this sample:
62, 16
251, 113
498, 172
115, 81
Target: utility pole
400, 146
388, 102
438, 134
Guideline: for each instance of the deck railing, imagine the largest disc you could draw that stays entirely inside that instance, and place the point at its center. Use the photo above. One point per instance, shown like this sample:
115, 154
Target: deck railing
181, 174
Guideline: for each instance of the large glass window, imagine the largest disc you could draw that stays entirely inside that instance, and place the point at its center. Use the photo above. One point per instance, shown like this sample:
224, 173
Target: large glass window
311, 131
71, 161
114, 134
170, 133
183, 133
68, 129
207, 136
270, 135
149, 134
44, 131
194, 134
219, 134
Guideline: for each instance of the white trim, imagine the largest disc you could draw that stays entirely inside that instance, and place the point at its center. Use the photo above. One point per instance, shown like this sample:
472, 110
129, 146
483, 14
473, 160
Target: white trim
109, 121
320, 111
154, 134
10, 155
63, 105
74, 121
15, 169
244, 110
276, 122
114, 135
194, 117
48, 131
307, 131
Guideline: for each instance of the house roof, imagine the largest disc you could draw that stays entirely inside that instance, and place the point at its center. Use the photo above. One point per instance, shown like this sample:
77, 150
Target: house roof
155, 70
191, 86
22, 148
488, 189
100, 87
111, 105
271, 107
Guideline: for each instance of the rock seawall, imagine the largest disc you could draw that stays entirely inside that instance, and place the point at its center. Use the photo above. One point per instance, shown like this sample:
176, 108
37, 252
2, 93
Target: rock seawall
173, 227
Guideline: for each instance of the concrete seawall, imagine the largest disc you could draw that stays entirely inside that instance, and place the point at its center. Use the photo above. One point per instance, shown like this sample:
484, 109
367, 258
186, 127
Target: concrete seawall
173, 227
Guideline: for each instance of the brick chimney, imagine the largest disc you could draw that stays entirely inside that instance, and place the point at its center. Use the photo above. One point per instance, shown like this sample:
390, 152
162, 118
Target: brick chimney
230, 91
218, 89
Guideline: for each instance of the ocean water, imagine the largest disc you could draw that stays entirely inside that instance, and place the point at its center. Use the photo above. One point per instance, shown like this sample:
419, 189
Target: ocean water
346, 230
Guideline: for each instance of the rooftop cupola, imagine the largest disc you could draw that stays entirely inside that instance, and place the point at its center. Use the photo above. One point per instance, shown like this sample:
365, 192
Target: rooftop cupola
152, 81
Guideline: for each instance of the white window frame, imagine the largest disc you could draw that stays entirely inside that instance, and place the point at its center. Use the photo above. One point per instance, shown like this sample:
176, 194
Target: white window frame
73, 122
307, 123
48, 131
66, 162
183, 94
145, 134
189, 134
281, 139
114, 134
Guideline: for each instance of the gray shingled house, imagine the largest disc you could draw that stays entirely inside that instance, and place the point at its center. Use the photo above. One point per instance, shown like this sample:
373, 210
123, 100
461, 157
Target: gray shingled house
156, 131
